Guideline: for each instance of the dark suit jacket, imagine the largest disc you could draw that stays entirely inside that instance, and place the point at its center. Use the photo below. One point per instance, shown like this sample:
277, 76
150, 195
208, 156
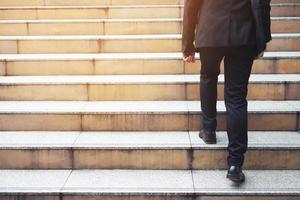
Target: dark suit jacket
225, 23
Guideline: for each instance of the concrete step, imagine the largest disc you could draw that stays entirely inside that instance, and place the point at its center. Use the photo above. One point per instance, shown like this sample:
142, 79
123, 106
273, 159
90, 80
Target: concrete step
142, 150
117, 26
137, 115
117, 12
103, 2
285, 1
130, 64
285, 24
148, 184
87, 3
92, 12
138, 87
289, 9
117, 44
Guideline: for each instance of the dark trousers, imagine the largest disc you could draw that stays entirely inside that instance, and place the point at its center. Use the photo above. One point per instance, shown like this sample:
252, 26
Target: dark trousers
237, 69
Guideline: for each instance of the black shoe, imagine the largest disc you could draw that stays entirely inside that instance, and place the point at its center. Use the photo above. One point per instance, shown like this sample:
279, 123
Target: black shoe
235, 174
209, 137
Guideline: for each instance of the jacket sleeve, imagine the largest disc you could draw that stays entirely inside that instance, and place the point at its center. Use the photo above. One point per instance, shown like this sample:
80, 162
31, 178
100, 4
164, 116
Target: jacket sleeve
266, 10
261, 11
191, 9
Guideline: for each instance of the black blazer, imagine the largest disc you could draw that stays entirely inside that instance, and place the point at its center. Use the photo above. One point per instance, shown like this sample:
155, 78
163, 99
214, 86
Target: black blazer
225, 23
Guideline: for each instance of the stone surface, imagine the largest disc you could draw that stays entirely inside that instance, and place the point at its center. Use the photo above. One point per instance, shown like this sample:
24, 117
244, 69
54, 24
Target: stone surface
32, 181
255, 106
140, 140
136, 106
117, 26
138, 79
119, 43
131, 63
200, 182
15, 57
127, 181
257, 182
121, 140
256, 140
37, 139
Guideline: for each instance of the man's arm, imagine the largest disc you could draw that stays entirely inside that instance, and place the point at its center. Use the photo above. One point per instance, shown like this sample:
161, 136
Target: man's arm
191, 9
265, 6
261, 11
266, 15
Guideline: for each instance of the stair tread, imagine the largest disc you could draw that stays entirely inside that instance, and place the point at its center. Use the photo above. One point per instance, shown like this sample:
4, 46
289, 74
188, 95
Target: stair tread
91, 107
122, 6
98, 20
120, 37
96, 6
139, 140
178, 55
285, 4
21, 21
155, 182
108, 2
138, 79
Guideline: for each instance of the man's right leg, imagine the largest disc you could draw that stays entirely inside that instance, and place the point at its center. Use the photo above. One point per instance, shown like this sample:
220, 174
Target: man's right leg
210, 69
238, 64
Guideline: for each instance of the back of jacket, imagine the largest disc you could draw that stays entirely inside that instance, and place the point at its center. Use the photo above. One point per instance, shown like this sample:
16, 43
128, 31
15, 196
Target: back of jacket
225, 23
221, 23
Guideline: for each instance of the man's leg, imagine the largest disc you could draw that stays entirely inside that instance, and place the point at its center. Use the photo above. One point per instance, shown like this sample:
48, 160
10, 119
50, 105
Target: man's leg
238, 65
210, 69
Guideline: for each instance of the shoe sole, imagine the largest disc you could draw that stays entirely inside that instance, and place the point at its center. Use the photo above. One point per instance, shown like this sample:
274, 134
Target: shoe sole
235, 180
208, 141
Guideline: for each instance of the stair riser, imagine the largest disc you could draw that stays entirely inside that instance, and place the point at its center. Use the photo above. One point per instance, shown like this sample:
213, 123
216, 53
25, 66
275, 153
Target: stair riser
88, 3
188, 198
133, 66
103, 2
285, 26
92, 13
138, 122
116, 13
118, 28
285, 1
288, 11
146, 197
33, 197
117, 46
141, 92
143, 159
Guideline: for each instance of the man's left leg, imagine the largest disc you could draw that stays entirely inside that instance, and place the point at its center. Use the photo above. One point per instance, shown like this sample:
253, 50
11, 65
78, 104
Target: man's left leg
210, 69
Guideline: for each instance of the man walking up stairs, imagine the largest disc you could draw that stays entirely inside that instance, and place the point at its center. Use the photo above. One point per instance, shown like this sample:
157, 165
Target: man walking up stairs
238, 32
97, 103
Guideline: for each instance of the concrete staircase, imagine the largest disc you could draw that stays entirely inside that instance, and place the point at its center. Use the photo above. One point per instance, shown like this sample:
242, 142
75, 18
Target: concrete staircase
96, 103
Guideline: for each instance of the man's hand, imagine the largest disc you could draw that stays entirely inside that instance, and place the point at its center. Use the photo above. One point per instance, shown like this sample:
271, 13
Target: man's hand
189, 58
260, 55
